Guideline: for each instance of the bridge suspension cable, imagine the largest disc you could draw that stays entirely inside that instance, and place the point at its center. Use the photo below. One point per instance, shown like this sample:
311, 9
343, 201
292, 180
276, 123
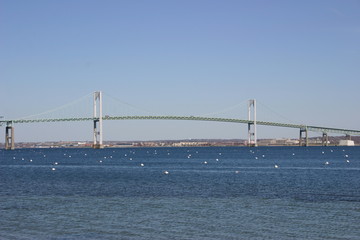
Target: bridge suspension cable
111, 110
237, 106
278, 114
62, 108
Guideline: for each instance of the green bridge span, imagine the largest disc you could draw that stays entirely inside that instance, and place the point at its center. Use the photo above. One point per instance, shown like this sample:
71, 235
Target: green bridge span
190, 118
98, 118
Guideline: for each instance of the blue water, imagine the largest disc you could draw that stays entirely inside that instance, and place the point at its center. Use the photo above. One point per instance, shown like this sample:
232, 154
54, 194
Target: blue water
208, 193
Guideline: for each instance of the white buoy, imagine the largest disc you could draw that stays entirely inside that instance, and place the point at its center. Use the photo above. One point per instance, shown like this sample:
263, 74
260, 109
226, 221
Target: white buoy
346, 156
347, 161
100, 161
237, 172
166, 172
327, 163
276, 166
141, 164
56, 163
53, 169
205, 162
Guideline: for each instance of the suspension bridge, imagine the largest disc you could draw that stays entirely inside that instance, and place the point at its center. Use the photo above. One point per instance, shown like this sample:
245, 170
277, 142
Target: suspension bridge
97, 118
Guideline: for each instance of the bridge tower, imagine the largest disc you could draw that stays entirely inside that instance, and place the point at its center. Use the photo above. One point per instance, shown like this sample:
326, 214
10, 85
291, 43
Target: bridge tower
252, 139
9, 136
98, 136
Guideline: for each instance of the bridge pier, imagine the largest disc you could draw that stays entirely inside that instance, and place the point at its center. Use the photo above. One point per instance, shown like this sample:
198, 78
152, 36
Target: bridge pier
252, 138
303, 140
97, 133
325, 139
9, 137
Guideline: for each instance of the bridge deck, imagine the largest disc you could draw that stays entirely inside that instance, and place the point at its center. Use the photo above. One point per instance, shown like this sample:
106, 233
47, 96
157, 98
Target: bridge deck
191, 118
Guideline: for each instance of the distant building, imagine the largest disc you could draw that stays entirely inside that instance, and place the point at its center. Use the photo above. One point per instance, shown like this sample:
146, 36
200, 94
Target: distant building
287, 141
190, 144
346, 143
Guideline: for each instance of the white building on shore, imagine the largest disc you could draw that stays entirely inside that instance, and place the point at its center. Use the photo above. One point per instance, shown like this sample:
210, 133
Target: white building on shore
346, 143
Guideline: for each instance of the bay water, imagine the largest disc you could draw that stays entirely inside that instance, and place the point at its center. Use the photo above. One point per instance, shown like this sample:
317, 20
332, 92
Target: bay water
181, 193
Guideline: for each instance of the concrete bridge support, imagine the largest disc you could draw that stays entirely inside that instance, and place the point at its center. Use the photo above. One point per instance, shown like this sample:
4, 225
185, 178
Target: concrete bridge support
325, 139
9, 137
348, 137
252, 138
303, 140
98, 136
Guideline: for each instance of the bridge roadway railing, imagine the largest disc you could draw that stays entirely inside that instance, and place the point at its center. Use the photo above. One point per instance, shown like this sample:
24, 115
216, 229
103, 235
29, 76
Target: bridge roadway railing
191, 118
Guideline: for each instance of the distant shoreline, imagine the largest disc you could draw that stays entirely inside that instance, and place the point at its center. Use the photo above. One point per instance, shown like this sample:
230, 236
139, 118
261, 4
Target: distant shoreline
333, 141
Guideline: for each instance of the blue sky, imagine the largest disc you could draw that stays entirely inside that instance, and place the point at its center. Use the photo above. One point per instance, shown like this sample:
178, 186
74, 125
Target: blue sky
298, 58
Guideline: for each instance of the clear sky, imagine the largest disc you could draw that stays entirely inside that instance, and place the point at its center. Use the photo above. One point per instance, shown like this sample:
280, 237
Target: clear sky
186, 57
